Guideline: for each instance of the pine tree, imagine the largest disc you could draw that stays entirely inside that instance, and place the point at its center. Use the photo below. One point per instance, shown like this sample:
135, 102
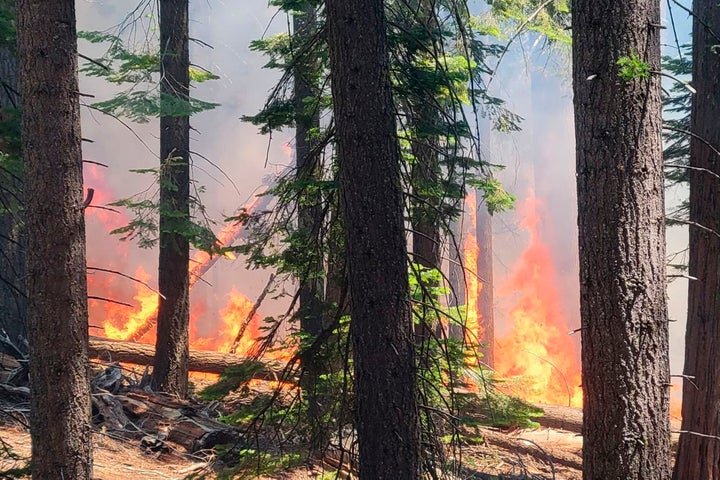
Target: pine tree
56, 279
625, 366
170, 372
699, 456
386, 408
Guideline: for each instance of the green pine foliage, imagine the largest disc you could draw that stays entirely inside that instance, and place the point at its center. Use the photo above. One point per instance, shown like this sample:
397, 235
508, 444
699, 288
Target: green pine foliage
677, 118
677, 105
439, 61
631, 67
136, 69
548, 18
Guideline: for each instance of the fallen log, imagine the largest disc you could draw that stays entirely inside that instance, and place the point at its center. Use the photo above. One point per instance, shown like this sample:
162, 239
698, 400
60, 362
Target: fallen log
560, 417
525, 447
199, 361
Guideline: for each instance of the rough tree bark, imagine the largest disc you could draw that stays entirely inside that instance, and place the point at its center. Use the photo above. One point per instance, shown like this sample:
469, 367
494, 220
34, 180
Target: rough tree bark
622, 241
699, 457
170, 372
309, 207
381, 330
56, 281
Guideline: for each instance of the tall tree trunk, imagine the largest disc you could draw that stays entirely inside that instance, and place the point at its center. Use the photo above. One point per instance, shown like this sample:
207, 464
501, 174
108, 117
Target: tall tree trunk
698, 456
423, 121
12, 257
309, 206
625, 363
456, 277
170, 372
386, 408
486, 308
310, 289
425, 177
56, 282
425, 217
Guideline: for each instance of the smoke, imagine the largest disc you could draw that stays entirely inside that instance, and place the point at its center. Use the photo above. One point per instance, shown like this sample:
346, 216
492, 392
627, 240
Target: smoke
236, 153
540, 160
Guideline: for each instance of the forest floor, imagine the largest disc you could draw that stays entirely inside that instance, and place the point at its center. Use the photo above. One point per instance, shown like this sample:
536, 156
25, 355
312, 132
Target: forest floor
544, 453
122, 459
552, 451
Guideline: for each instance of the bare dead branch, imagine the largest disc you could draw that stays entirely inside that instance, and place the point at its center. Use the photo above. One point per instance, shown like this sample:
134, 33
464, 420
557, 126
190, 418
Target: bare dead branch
95, 163
129, 277
109, 300
88, 198
695, 224
252, 313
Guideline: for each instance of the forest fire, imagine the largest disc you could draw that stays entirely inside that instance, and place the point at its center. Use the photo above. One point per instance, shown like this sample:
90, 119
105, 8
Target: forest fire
473, 331
119, 321
537, 358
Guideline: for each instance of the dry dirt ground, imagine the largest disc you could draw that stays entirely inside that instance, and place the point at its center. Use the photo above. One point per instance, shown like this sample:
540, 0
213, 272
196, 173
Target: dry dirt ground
552, 451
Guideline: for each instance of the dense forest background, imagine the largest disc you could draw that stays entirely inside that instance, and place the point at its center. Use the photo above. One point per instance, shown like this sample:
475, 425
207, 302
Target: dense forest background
534, 79
387, 216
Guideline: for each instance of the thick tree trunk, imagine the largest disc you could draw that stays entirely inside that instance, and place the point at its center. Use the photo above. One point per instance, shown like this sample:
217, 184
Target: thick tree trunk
425, 217
699, 457
309, 206
486, 308
172, 345
425, 177
622, 242
386, 408
56, 282
423, 122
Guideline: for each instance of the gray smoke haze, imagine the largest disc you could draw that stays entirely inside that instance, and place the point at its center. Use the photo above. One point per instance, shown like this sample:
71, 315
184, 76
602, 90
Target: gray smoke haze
234, 146
540, 157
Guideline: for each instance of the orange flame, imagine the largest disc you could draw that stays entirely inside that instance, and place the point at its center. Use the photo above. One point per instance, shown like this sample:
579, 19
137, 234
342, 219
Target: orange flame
473, 331
120, 325
120, 322
232, 316
201, 261
538, 353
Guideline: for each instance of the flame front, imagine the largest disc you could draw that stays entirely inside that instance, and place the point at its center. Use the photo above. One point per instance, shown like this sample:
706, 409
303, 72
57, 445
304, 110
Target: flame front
537, 353
120, 322
473, 330
119, 325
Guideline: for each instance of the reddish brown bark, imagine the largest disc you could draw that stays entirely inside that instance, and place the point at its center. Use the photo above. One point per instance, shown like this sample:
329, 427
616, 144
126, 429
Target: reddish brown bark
699, 457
